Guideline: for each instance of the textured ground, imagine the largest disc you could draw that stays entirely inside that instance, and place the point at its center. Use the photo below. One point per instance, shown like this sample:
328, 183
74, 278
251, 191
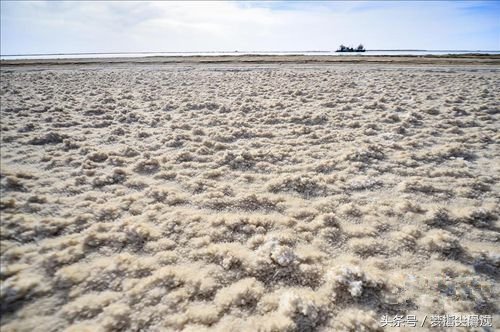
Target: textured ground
245, 198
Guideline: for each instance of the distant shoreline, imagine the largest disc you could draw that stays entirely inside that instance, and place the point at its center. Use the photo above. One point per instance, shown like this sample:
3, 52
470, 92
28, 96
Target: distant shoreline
450, 59
243, 52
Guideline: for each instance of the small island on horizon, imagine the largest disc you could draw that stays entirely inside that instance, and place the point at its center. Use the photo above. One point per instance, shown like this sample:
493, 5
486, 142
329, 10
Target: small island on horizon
343, 48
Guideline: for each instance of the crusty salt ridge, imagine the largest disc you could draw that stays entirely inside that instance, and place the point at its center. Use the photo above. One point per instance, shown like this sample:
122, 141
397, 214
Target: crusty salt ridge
247, 197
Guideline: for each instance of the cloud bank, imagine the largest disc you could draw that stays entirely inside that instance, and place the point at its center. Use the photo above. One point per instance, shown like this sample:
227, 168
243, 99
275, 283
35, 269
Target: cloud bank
67, 27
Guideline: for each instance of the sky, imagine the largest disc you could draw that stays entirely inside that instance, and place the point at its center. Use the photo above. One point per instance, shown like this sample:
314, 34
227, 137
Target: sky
42, 27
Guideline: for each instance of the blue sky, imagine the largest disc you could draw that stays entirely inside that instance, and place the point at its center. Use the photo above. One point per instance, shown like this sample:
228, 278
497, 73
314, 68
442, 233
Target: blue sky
128, 26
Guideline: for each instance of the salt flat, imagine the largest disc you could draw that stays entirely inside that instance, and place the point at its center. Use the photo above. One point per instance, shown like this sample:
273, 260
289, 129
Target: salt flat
245, 197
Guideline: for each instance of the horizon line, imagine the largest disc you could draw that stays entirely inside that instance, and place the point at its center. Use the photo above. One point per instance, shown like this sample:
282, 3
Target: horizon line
237, 51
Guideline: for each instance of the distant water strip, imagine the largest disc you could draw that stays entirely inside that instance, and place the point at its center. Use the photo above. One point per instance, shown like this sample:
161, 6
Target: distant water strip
238, 53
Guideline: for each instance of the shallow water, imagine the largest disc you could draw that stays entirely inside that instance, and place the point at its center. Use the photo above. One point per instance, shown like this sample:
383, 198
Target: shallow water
149, 54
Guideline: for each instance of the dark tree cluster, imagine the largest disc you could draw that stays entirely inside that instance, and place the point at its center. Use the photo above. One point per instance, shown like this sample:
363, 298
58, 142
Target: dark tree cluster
343, 48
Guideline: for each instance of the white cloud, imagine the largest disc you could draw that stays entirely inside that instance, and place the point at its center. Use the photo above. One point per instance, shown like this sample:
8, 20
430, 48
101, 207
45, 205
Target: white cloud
53, 27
